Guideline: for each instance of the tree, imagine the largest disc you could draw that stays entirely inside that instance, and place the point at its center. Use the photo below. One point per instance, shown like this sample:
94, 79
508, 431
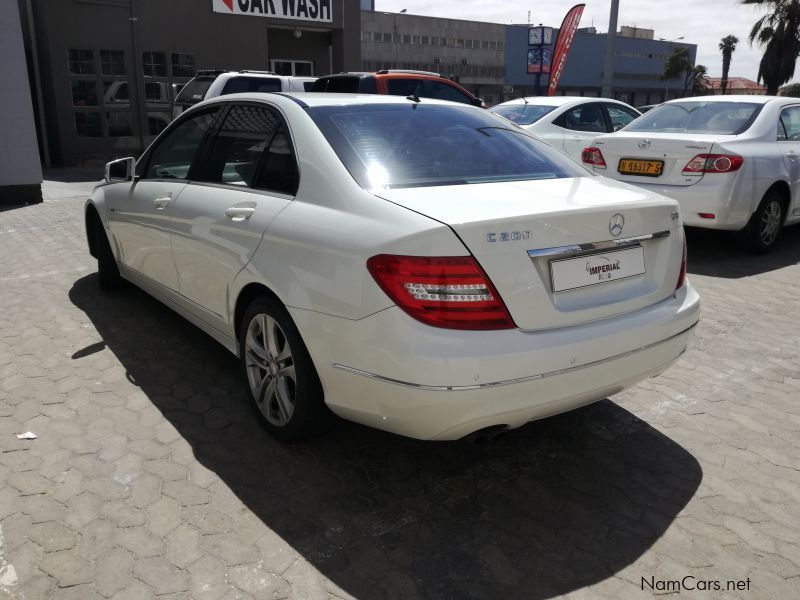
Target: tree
778, 32
792, 90
679, 65
727, 46
699, 83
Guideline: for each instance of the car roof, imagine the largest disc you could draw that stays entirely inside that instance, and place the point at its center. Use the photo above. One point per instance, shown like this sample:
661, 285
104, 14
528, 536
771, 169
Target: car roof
731, 98
314, 99
557, 100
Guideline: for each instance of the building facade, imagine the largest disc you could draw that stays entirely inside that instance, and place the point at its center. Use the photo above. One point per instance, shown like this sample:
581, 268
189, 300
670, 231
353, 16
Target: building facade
470, 52
638, 64
736, 85
111, 68
20, 168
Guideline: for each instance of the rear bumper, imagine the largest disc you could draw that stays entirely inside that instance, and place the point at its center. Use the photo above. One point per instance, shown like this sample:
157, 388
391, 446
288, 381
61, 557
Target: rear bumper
717, 194
393, 373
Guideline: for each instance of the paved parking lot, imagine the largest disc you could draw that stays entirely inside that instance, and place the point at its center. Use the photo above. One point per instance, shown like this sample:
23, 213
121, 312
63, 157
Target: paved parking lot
150, 476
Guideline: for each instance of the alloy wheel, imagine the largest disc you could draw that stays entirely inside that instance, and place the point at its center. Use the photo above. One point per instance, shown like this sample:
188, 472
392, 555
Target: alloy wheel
771, 222
270, 369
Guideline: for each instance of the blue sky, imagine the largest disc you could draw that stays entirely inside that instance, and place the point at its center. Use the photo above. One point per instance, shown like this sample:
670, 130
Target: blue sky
700, 22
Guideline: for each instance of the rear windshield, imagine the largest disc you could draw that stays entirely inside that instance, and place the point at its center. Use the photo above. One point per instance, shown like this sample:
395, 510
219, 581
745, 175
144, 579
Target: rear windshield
727, 118
194, 91
522, 114
239, 85
416, 145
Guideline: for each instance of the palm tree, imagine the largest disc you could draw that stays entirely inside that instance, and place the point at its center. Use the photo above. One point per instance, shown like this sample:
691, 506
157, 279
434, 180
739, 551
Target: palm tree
778, 32
727, 46
698, 82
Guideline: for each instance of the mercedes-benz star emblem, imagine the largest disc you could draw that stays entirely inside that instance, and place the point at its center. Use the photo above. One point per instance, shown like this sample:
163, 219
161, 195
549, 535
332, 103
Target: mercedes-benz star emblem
644, 144
616, 224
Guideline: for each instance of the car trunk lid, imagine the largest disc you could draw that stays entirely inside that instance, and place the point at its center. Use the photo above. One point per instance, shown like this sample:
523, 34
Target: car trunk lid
520, 232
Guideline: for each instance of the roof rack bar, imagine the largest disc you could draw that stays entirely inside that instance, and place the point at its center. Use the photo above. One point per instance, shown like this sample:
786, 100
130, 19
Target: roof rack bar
409, 71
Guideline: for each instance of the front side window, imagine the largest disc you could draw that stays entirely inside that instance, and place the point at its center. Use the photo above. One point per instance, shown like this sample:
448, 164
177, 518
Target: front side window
116, 93
405, 86
790, 122
726, 118
84, 92
154, 64
587, 117
522, 114
411, 145
172, 157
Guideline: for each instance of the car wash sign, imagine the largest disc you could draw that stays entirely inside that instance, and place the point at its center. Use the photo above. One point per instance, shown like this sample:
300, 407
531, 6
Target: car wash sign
299, 10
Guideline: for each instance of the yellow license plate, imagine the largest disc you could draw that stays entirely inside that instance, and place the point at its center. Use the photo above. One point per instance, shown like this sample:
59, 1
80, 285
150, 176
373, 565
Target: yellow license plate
636, 166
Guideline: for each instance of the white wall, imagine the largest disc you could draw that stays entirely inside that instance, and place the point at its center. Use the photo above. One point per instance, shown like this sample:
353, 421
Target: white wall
19, 153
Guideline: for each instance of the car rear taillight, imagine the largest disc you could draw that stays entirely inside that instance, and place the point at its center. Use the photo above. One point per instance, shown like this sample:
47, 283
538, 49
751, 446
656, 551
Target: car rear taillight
451, 292
682, 274
593, 156
713, 163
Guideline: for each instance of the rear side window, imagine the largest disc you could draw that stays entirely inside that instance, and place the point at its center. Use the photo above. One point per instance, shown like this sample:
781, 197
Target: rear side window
194, 91
619, 116
174, 154
586, 117
342, 85
522, 114
251, 149
726, 118
239, 85
405, 86
410, 145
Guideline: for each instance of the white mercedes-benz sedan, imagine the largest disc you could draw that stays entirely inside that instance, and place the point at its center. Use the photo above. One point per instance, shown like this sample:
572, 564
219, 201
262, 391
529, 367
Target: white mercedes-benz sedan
732, 162
567, 123
422, 267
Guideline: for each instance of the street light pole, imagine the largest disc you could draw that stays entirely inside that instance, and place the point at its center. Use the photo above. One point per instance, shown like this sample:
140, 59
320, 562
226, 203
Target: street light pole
666, 79
608, 65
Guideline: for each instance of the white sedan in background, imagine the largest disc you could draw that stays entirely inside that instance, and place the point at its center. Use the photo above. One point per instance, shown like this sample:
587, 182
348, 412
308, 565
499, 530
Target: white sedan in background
421, 267
732, 162
568, 123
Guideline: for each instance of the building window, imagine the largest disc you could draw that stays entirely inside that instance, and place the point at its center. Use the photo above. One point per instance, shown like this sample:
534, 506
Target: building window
406, 39
116, 93
492, 45
366, 36
80, 62
435, 40
459, 43
425, 40
499, 45
299, 68
485, 45
119, 123
468, 43
154, 64
87, 124
84, 93
112, 62
157, 122
387, 38
415, 39
182, 65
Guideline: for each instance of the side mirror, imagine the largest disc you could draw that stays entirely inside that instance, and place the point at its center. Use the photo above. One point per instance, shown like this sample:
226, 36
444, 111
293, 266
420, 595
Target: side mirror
122, 169
479, 103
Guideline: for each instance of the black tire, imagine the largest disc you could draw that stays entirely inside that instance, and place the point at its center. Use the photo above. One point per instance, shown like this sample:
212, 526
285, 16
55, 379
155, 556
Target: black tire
309, 413
107, 269
762, 234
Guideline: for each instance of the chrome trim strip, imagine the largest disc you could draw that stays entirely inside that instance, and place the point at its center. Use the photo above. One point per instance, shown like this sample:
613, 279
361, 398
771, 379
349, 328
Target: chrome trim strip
562, 251
481, 386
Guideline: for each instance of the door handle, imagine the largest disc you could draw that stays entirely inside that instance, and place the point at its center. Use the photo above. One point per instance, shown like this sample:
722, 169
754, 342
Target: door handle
161, 203
791, 154
239, 213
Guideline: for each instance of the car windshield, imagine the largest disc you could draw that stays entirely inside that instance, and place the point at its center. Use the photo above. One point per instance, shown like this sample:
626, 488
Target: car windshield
522, 114
415, 145
727, 118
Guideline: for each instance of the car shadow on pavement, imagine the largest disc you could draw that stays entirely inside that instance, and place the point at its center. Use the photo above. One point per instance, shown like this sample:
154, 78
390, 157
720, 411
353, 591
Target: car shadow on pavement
549, 508
717, 254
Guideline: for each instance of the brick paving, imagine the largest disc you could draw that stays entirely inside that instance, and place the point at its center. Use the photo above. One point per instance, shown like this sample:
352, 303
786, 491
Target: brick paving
150, 476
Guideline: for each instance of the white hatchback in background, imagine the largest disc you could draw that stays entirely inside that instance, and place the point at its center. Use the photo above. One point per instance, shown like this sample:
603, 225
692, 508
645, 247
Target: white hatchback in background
568, 123
732, 162
215, 83
423, 267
